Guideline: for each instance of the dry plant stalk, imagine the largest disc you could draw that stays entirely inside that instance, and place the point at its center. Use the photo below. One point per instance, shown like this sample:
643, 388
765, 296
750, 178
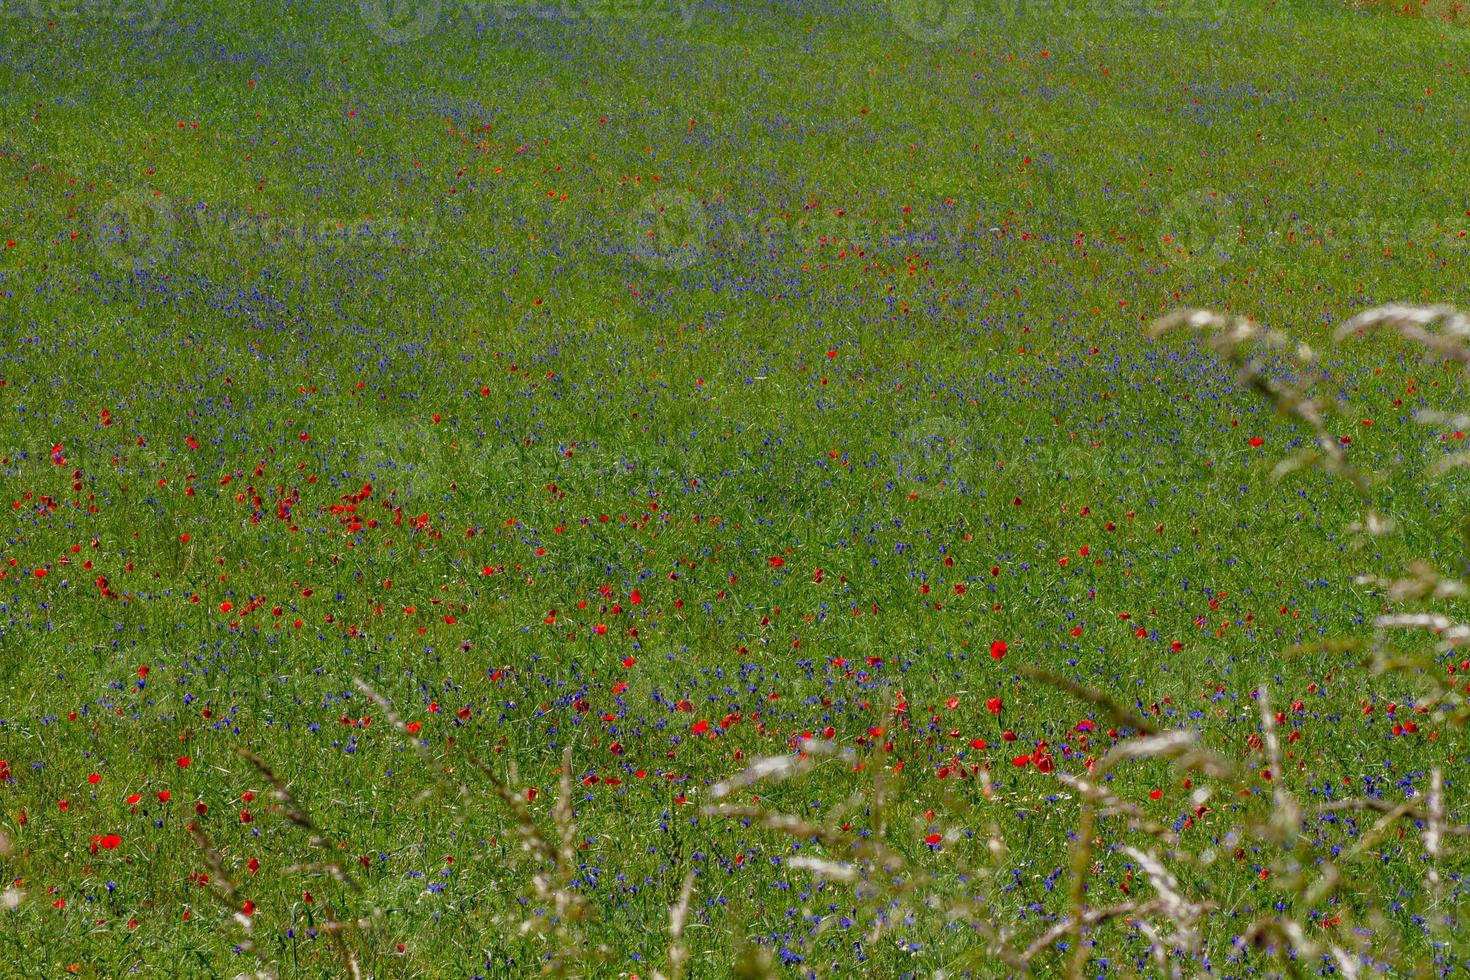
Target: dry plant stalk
554, 886
221, 887
344, 935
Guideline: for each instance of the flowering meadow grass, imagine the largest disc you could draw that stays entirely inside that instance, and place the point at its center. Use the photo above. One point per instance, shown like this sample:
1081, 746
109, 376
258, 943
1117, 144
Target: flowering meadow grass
443, 444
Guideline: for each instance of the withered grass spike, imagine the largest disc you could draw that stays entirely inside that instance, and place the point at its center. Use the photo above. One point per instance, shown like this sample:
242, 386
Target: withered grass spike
1114, 805
867, 849
678, 953
1376, 805
1089, 918
1286, 814
296, 814
280, 789
219, 874
530, 833
1228, 337
222, 888
1123, 716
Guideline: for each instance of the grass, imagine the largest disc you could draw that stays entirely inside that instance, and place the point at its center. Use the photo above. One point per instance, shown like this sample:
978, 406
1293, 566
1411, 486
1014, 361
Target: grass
829, 343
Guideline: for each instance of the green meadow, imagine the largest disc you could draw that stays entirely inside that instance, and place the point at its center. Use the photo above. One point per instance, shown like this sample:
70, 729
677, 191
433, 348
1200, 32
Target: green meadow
688, 488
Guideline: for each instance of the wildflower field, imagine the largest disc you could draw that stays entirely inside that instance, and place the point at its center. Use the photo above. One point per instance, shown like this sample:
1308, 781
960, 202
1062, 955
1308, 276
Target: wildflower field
687, 488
